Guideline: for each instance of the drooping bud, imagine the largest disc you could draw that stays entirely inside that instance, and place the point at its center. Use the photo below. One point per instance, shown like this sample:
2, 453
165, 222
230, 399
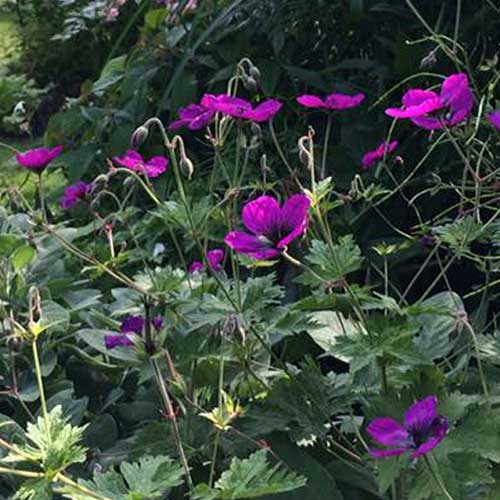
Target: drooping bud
139, 136
256, 130
187, 165
249, 83
255, 73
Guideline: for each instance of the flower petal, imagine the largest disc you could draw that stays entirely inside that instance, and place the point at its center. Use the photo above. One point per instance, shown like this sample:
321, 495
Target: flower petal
344, 101
421, 414
215, 257
388, 432
262, 215
494, 119
439, 429
250, 245
311, 101
264, 111
156, 166
293, 218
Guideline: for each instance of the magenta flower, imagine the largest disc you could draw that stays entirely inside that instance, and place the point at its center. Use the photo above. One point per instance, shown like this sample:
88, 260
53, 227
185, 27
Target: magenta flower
37, 159
422, 431
117, 340
214, 257
73, 194
494, 119
132, 324
454, 103
240, 108
332, 101
132, 160
272, 227
371, 157
194, 117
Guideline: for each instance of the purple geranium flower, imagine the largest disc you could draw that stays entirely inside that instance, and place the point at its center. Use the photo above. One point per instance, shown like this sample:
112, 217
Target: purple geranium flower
422, 431
117, 340
73, 194
240, 108
454, 103
132, 324
332, 101
272, 227
371, 157
37, 159
194, 117
154, 167
494, 119
214, 257
157, 322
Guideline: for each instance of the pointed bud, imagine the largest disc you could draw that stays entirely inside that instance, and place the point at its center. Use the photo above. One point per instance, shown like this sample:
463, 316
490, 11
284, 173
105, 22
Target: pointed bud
187, 165
249, 83
139, 136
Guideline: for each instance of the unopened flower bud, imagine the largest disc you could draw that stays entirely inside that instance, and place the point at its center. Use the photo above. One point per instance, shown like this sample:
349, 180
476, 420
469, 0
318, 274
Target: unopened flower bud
256, 130
139, 136
255, 73
187, 165
249, 83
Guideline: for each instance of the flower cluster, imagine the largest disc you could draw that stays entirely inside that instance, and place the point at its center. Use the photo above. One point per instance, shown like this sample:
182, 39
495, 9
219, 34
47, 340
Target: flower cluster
198, 116
430, 110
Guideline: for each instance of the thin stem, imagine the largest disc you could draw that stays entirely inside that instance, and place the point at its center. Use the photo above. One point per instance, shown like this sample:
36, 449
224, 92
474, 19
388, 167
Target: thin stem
19, 472
479, 363
325, 146
38, 372
437, 478
172, 417
41, 196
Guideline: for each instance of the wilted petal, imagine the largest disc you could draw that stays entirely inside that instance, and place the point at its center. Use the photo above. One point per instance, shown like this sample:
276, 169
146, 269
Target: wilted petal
311, 101
262, 216
388, 432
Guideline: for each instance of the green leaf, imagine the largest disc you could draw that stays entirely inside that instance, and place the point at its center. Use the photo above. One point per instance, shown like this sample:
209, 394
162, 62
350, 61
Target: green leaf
147, 479
437, 317
34, 489
22, 257
111, 74
333, 263
9, 243
251, 477
54, 444
95, 339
